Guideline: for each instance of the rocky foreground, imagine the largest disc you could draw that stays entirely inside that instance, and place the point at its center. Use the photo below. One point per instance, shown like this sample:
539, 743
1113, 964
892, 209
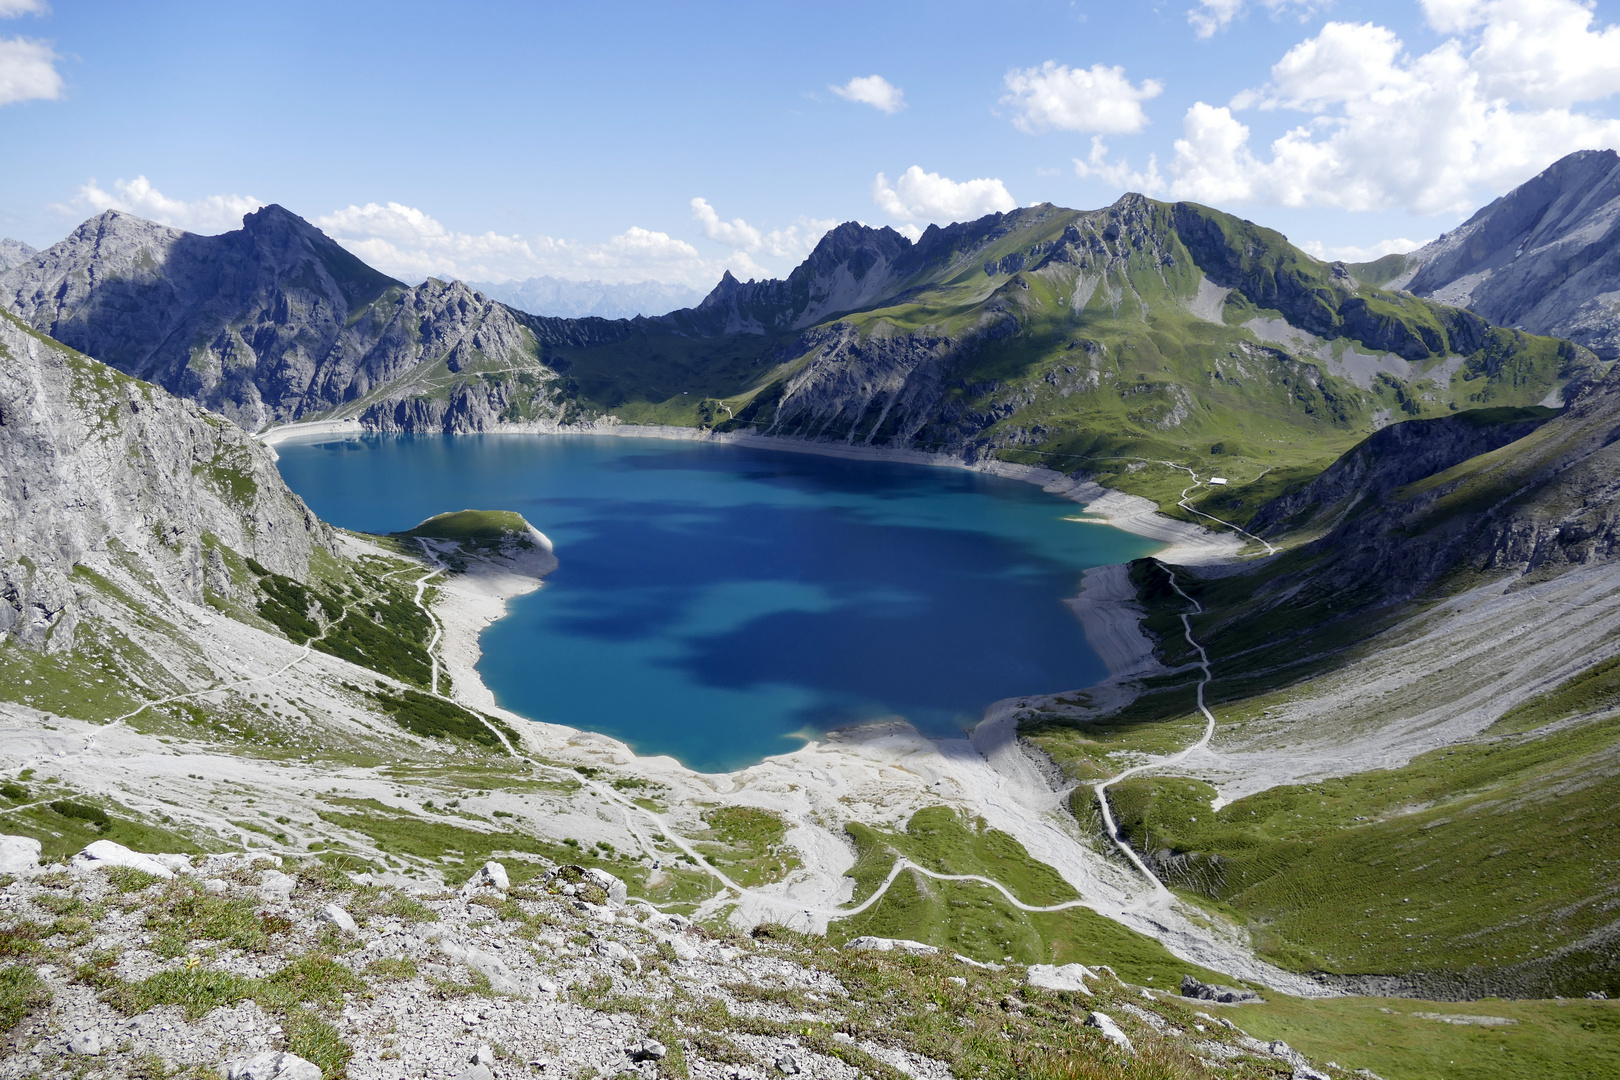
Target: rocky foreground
127, 965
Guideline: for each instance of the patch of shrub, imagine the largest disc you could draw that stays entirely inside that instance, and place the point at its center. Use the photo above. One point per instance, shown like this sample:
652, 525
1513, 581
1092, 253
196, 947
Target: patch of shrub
434, 718
95, 816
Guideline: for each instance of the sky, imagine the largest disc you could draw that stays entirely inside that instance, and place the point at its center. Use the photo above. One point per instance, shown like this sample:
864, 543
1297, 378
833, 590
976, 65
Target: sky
660, 141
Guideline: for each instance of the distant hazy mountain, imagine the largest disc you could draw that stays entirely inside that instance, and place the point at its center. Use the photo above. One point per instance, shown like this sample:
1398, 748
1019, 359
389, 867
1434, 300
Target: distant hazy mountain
13, 252
577, 299
1544, 257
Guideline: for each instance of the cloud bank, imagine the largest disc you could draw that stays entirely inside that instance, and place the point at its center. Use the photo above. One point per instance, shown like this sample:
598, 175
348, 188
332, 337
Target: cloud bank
918, 196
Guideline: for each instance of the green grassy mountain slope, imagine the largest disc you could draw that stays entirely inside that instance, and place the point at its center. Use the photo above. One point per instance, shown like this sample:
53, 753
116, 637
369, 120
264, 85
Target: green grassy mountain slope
1418, 719
1107, 341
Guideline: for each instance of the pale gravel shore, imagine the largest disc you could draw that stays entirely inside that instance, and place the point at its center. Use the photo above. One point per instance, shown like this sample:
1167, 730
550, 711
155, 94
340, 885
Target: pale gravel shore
1112, 619
880, 774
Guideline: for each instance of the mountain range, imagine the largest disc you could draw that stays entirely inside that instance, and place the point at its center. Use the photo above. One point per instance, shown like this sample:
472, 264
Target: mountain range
1088, 341
579, 299
1411, 775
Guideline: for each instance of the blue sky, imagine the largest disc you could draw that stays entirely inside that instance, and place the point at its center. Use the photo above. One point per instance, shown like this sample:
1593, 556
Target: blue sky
494, 141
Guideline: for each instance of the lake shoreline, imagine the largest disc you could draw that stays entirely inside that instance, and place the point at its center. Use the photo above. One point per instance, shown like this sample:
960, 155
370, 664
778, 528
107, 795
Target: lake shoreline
1186, 544
878, 774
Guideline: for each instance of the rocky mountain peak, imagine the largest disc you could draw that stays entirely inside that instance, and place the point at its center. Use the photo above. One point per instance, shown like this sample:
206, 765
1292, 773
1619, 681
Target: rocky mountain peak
1544, 257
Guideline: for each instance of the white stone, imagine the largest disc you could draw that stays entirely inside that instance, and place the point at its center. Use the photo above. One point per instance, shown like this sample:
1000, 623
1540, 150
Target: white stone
884, 944
104, 854
86, 1042
491, 875
616, 890
648, 1050
483, 1055
180, 864
1071, 977
271, 1065
1110, 1031
276, 887
477, 1072
339, 918
18, 854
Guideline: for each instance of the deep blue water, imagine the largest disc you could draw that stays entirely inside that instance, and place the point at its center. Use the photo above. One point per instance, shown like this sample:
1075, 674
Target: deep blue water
716, 602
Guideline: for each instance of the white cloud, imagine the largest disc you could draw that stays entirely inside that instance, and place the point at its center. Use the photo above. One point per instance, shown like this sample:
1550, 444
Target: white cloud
1119, 174
1350, 253
11, 9
793, 242
28, 71
210, 214
411, 245
1211, 16
1543, 52
1095, 99
736, 233
873, 90
920, 196
1385, 128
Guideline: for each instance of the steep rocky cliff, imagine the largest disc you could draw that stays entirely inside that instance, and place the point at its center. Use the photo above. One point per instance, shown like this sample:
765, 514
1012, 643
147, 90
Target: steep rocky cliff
1544, 257
273, 322
103, 475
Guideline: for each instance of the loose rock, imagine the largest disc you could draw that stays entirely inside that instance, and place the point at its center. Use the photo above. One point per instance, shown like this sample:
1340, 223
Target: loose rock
491, 875
18, 854
339, 918
648, 1050
1202, 991
1110, 1031
1071, 977
883, 944
271, 1066
104, 854
86, 1042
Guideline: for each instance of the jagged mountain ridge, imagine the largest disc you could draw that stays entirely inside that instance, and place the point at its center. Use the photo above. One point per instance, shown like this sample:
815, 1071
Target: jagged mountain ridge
271, 323
1083, 340
103, 472
1545, 256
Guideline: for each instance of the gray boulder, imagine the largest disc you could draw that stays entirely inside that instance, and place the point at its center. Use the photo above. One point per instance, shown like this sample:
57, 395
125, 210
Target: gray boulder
104, 854
271, 1065
1202, 991
18, 854
491, 875
1110, 1031
339, 918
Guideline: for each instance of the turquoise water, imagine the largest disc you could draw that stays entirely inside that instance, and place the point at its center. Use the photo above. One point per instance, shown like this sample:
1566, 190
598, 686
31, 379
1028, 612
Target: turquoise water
718, 603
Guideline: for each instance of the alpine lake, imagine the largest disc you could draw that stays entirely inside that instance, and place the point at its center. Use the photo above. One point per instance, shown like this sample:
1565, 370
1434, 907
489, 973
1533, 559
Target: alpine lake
722, 603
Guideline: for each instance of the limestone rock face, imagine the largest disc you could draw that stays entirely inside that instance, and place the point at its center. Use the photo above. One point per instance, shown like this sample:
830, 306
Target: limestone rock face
1545, 256
98, 468
275, 321
13, 252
